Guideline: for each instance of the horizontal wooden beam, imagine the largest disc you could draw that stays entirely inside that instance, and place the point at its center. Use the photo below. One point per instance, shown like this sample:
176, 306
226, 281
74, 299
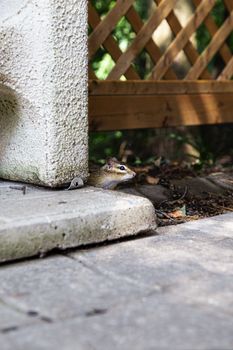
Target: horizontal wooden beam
133, 105
130, 87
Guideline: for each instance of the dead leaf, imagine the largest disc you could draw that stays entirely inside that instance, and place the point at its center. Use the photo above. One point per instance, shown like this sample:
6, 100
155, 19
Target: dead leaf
178, 213
151, 180
157, 162
142, 169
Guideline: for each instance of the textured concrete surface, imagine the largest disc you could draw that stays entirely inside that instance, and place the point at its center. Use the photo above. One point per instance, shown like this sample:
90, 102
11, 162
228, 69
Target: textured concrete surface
173, 290
43, 91
34, 221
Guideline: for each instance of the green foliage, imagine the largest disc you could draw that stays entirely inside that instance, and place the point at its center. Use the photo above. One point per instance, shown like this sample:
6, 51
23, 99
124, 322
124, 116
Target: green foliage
203, 38
103, 6
135, 142
219, 12
104, 144
142, 7
205, 156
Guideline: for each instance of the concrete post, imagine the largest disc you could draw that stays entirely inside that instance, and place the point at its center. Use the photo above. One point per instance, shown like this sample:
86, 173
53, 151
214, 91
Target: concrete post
43, 90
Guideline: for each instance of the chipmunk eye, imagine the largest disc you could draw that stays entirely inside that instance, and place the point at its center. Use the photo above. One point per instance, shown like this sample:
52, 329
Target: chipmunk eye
122, 167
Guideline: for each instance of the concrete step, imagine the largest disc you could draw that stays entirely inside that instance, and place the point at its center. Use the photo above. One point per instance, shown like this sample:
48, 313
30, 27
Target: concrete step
34, 220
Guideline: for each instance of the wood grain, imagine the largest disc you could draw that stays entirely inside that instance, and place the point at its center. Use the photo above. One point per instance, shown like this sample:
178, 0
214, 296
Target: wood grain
227, 72
146, 104
132, 112
121, 88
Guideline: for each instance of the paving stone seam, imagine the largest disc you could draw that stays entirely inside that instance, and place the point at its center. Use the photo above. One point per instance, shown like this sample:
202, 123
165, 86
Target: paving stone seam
113, 275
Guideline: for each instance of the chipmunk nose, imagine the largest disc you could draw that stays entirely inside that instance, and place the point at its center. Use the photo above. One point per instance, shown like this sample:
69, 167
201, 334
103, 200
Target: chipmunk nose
134, 174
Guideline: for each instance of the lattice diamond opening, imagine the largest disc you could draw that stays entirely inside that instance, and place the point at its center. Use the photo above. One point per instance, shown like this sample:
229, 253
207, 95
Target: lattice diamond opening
212, 60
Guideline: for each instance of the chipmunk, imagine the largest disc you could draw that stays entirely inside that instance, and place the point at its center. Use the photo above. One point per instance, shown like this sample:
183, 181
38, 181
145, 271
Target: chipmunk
110, 175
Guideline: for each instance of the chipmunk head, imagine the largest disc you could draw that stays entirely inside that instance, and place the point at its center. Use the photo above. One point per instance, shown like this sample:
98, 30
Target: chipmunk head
116, 172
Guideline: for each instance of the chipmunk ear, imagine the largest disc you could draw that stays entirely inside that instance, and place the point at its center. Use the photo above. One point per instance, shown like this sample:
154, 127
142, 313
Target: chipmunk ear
110, 161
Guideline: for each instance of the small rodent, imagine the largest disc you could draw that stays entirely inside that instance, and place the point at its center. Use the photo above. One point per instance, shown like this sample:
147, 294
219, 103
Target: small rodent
110, 174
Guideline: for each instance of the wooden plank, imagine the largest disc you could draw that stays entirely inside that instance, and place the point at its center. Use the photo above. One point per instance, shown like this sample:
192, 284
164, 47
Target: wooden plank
217, 40
228, 4
110, 43
132, 112
100, 33
189, 49
227, 72
224, 51
152, 49
182, 38
91, 74
142, 38
121, 88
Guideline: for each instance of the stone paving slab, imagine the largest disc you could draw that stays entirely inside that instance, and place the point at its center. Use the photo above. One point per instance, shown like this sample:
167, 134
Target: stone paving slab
36, 221
12, 317
173, 290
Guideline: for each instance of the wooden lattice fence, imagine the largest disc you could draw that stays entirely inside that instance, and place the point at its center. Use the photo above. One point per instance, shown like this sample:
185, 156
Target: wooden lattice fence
163, 99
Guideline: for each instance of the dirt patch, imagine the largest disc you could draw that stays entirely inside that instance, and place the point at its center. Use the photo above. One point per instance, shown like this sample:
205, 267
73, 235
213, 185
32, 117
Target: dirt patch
180, 194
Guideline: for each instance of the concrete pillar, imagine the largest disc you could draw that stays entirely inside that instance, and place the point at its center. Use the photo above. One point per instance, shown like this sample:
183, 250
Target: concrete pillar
43, 90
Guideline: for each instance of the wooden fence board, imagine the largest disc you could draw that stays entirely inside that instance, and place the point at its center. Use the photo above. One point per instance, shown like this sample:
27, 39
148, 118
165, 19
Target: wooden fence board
224, 51
182, 38
108, 88
110, 43
133, 104
91, 74
142, 38
227, 72
189, 49
155, 111
100, 34
152, 49
217, 40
